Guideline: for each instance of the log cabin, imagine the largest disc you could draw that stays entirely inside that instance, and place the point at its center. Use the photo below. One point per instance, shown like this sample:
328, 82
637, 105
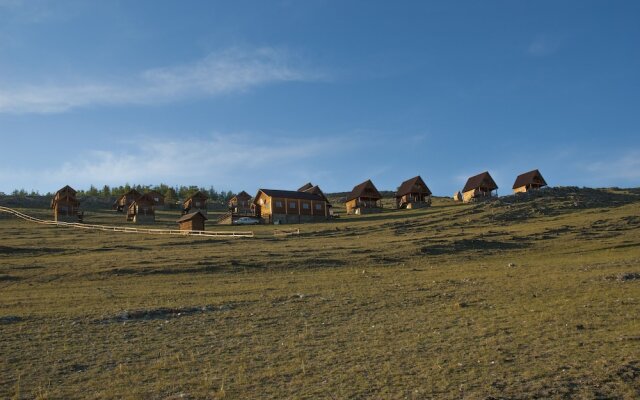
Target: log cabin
528, 181
413, 193
479, 187
192, 222
65, 205
142, 211
364, 199
241, 204
288, 206
195, 202
124, 201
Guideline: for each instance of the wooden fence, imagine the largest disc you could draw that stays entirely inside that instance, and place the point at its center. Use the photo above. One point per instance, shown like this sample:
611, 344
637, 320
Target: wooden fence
127, 229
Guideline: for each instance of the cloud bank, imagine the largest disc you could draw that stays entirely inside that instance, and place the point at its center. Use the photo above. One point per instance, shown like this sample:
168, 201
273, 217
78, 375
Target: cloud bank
230, 71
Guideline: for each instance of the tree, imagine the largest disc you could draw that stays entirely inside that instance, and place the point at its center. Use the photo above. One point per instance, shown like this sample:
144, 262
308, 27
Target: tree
106, 191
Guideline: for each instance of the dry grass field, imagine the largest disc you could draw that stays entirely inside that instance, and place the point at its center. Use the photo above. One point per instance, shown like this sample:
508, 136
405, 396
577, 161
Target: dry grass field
525, 297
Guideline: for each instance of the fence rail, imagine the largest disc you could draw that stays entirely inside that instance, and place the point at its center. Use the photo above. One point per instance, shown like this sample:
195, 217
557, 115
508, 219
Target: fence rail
127, 229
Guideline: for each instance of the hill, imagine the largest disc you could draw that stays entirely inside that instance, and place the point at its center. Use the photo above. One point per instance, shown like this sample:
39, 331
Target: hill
533, 296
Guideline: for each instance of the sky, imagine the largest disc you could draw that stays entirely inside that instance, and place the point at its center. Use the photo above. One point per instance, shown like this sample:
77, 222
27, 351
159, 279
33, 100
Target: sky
244, 95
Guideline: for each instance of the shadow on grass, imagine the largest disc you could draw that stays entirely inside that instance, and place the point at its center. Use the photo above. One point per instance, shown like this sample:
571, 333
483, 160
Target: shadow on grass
10, 250
463, 245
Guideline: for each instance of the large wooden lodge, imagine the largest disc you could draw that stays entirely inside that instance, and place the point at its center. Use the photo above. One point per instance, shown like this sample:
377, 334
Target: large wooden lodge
289, 206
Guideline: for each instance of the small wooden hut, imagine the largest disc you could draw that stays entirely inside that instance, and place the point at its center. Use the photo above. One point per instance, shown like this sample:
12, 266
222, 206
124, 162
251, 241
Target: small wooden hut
413, 193
288, 206
528, 181
479, 187
195, 202
65, 205
142, 211
124, 201
240, 204
364, 199
192, 222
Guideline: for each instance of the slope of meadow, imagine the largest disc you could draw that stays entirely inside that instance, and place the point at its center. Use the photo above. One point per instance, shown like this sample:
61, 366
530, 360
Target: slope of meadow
523, 297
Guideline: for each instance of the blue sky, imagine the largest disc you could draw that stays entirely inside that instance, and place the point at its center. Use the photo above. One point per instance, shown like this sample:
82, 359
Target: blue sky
241, 95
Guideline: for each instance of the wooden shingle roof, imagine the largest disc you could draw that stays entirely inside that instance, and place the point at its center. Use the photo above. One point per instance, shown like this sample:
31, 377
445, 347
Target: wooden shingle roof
528, 178
190, 216
243, 196
413, 185
365, 189
290, 194
197, 195
305, 187
481, 180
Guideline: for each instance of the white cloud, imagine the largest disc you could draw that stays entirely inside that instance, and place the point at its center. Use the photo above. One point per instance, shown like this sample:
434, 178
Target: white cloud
625, 168
230, 71
228, 161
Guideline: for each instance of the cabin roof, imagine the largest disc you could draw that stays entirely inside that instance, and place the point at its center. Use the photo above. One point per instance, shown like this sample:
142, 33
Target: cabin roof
528, 178
198, 194
305, 187
359, 191
190, 216
483, 179
67, 188
243, 195
145, 198
407, 187
291, 194
154, 193
316, 190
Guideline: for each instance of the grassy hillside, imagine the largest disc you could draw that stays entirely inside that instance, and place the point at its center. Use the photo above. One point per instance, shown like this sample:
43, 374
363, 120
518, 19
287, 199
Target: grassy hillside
531, 296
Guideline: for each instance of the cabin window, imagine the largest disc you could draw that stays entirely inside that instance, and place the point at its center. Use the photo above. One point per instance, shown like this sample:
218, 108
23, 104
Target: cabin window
318, 207
305, 206
292, 204
279, 204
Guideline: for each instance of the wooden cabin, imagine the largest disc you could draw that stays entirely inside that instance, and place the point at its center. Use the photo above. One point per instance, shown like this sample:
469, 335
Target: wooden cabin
66, 208
479, 187
457, 196
413, 193
192, 222
288, 206
528, 181
195, 202
240, 204
158, 198
142, 211
124, 201
364, 199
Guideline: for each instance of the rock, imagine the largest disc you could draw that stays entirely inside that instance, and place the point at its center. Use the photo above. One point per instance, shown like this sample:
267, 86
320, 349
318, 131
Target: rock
511, 265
